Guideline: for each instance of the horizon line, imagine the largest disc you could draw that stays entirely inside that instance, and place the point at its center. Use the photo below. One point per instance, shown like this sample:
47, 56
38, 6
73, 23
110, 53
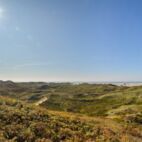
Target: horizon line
57, 81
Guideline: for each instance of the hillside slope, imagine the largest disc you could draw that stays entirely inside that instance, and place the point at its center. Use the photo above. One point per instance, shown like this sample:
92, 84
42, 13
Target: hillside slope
20, 122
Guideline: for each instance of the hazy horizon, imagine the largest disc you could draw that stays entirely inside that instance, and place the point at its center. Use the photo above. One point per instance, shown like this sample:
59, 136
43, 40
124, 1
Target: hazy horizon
74, 40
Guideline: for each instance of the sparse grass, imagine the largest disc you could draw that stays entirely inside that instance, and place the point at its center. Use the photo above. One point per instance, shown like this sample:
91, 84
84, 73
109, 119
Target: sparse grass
72, 113
20, 122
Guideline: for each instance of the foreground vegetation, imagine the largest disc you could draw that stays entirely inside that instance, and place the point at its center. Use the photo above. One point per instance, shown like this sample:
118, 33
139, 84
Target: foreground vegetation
20, 122
70, 112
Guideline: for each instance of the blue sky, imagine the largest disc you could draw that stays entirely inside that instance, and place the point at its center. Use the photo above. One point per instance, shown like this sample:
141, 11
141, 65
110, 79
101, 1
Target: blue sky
71, 40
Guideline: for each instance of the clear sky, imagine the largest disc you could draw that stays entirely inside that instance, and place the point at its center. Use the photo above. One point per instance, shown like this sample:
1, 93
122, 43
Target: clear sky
71, 40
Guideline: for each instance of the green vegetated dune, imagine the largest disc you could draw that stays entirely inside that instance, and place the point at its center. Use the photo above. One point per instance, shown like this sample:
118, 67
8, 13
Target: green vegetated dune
22, 122
44, 112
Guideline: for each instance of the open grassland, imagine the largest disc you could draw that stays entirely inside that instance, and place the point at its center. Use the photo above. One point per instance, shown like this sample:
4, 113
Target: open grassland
44, 112
116, 102
21, 122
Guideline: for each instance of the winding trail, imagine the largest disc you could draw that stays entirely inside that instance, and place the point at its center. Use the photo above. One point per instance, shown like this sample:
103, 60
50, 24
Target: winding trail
41, 101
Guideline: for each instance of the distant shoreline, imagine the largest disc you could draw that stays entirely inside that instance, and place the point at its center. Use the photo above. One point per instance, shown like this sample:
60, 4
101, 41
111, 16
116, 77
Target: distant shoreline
119, 83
